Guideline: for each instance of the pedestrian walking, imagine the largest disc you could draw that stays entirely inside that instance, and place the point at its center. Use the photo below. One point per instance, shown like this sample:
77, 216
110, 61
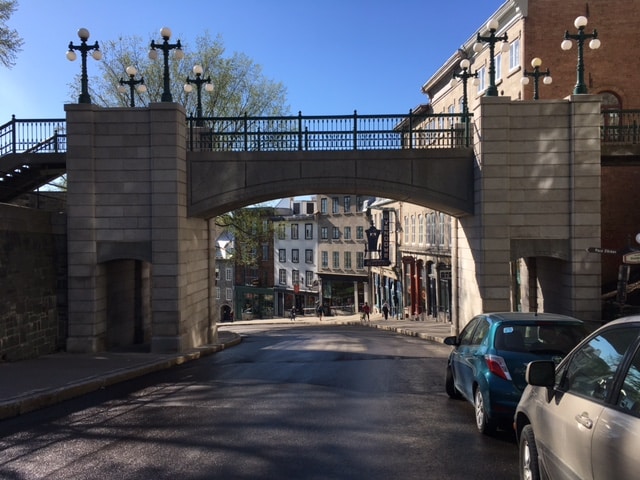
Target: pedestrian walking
293, 313
366, 310
320, 311
385, 310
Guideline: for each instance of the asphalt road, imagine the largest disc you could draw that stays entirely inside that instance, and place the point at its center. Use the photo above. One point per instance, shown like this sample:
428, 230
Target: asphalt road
307, 402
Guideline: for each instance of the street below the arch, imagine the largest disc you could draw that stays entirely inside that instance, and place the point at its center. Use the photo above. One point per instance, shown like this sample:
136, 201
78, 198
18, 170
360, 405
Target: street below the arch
313, 402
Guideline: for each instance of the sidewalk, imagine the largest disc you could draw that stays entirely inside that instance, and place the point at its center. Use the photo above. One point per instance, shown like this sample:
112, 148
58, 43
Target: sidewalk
32, 384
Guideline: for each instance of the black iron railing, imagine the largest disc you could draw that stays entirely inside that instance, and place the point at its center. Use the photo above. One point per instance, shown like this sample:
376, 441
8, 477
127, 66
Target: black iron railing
620, 127
341, 132
19, 136
288, 133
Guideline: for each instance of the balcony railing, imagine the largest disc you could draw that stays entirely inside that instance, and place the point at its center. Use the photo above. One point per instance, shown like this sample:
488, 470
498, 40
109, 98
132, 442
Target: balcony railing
620, 127
342, 132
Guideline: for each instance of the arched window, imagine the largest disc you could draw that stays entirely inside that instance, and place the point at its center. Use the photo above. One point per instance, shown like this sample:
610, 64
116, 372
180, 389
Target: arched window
611, 126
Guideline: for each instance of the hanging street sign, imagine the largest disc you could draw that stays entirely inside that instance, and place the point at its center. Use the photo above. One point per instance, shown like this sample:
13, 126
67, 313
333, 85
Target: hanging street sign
602, 250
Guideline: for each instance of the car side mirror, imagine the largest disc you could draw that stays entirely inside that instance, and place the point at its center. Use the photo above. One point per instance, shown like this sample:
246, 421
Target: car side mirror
453, 341
541, 373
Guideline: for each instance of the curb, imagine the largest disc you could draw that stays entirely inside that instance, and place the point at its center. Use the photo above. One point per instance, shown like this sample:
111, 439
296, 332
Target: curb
22, 404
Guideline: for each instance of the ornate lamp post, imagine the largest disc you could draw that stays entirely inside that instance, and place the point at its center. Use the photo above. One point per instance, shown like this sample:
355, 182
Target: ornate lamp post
491, 39
198, 81
131, 71
166, 47
83, 48
465, 75
580, 37
536, 74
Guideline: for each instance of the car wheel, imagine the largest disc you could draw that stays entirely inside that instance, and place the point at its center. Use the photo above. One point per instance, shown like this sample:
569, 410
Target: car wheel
449, 386
528, 466
483, 422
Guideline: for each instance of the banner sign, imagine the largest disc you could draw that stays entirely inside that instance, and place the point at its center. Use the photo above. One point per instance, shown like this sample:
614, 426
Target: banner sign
385, 235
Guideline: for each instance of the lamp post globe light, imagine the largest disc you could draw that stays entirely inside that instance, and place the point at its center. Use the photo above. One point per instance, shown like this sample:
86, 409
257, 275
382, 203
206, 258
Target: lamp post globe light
580, 23
536, 74
141, 87
83, 48
198, 81
166, 47
491, 39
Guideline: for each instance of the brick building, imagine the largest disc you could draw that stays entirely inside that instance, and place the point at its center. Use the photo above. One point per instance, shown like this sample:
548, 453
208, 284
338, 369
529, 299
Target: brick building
536, 28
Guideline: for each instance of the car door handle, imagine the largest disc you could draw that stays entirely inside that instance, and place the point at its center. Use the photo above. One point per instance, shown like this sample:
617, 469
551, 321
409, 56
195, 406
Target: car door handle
584, 420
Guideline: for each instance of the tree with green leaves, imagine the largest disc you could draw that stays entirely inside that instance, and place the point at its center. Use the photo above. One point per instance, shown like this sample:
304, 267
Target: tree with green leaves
10, 41
251, 229
239, 84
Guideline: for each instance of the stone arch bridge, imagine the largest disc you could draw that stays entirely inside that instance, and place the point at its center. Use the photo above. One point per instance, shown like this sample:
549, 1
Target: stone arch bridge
142, 188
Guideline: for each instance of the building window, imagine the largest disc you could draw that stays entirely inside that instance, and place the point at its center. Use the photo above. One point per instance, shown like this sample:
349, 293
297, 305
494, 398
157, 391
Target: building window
335, 205
282, 277
406, 229
347, 260
323, 205
228, 274
324, 233
308, 231
420, 229
413, 229
347, 233
295, 255
296, 208
336, 259
265, 252
228, 294
294, 231
217, 293
359, 260
359, 203
308, 277
282, 233
295, 277
514, 54
359, 233
308, 256
482, 79
282, 255
347, 204
325, 259
336, 233
431, 229
311, 208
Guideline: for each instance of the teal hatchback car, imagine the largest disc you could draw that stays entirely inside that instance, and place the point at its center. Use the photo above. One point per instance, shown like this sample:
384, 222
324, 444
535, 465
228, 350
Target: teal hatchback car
489, 358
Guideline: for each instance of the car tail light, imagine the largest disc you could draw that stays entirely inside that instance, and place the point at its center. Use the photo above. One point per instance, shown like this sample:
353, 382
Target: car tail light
498, 366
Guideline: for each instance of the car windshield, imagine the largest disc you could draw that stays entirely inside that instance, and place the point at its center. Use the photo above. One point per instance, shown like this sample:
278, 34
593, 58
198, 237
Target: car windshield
539, 337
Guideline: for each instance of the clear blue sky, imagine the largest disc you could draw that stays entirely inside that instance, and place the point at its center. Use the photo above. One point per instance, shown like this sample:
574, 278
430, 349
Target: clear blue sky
333, 56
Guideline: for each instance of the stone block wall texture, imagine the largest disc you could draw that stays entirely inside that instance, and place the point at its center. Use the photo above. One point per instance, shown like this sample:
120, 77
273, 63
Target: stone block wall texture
537, 188
127, 177
31, 252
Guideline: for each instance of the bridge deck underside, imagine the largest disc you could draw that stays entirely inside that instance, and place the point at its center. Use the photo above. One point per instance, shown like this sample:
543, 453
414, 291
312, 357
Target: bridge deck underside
441, 179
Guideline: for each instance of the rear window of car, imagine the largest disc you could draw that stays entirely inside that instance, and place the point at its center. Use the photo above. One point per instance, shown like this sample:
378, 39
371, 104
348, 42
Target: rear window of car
539, 337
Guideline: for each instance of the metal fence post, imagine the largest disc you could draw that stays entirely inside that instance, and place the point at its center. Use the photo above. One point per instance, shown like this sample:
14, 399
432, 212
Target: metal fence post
355, 129
299, 129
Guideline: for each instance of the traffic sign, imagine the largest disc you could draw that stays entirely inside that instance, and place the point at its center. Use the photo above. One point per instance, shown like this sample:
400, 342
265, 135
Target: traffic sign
631, 257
